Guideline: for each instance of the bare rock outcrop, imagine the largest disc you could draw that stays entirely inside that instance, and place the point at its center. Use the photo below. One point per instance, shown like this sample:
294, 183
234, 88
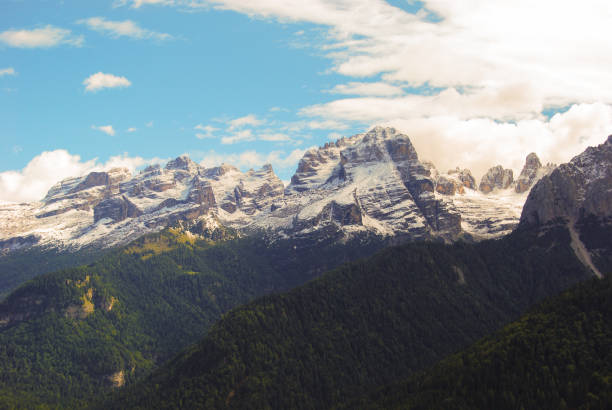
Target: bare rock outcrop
574, 190
496, 178
117, 209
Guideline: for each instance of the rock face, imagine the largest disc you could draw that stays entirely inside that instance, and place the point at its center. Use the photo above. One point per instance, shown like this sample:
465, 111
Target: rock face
578, 195
529, 173
116, 209
368, 183
574, 190
83, 194
465, 176
496, 177
448, 186
455, 181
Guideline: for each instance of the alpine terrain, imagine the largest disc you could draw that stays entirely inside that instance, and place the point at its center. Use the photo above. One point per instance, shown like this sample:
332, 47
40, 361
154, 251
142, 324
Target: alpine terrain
377, 321
372, 182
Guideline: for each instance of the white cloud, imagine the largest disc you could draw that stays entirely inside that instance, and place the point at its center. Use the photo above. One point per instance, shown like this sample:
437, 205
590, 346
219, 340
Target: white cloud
326, 125
43, 171
107, 129
45, 37
149, 124
132, 129
238, 136
248, 120
477, 79
486, 68
368, 89
207, 131
561, 51
481, 143
278, 109
100, 80
321, 124
7, 71
139, 3
126, 28
512, 101
274, 137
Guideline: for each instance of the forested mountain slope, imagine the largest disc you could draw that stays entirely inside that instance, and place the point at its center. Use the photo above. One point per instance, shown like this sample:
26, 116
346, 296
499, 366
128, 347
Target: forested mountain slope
365, 324
558, 356
68, 336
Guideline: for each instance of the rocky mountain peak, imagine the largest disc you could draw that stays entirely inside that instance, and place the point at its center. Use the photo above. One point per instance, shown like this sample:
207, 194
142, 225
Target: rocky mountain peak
465, 176
152, 168
182, 162
528, 174
578, 195
574, 190
532, 161
265, 170
353, 177
368, 183
454, 181
379, 132
496, 178
219, 171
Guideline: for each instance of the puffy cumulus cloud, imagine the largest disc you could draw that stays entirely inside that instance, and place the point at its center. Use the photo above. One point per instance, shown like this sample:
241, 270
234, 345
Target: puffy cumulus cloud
281, 161
46, 169
126, 28
107, 129
100, 80
490, 69
40, 174
44, 37
378, 89
481, 143
7, 71
561, 49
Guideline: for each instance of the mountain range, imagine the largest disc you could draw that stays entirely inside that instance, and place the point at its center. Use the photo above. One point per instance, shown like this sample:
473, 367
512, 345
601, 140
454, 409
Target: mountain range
368, 183
236, 263
394, 315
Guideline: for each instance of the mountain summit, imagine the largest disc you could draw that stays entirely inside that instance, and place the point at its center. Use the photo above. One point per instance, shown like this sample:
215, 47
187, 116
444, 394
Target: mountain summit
370, 183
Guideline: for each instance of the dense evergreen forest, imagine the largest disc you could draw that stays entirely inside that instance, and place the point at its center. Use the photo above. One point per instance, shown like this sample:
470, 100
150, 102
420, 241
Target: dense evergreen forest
366, 324
69, 336
558, 356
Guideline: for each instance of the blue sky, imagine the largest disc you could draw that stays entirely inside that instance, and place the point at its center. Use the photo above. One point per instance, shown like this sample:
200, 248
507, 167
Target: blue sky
127, 82
216, 67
